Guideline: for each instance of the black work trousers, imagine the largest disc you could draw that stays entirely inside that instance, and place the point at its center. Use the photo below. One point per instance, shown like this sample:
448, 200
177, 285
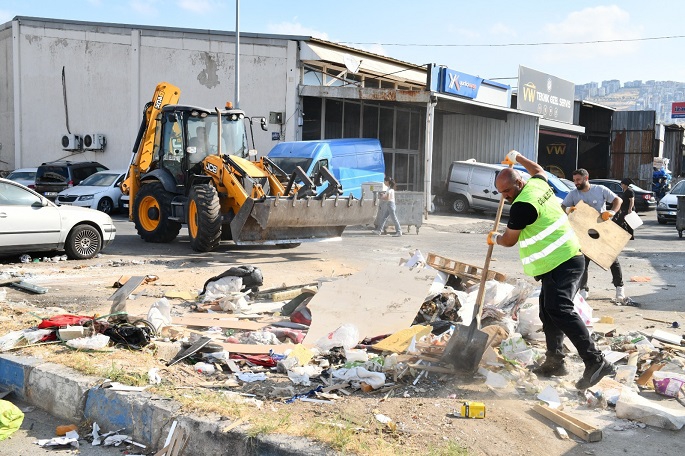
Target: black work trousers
616, 275
558, 317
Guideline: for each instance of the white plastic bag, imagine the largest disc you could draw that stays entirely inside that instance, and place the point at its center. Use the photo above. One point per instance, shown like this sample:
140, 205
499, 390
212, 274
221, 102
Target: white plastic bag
346, 336
98, 341
159, 314
530, 325
222, 287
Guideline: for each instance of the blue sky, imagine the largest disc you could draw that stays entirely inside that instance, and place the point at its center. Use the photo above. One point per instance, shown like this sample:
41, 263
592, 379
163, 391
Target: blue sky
434, 31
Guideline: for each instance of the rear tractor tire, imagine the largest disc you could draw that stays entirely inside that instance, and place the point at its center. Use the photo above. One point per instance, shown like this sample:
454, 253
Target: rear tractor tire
204, 218
151, 212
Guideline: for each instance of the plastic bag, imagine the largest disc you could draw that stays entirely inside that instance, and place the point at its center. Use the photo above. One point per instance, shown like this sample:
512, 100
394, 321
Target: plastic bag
346, 336
222, 287
530, 325
583, 309
97, 342
159, 314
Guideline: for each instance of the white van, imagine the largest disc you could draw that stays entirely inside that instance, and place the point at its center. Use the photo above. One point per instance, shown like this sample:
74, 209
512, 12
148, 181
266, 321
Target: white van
471, 185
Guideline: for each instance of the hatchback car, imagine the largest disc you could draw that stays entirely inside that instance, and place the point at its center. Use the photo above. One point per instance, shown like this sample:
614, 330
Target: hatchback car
53, 177
644, 199
667, 209
32, 223
99, 191
25, 176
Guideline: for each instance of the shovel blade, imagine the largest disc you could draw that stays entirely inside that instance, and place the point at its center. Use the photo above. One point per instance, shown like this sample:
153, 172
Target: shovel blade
465, 348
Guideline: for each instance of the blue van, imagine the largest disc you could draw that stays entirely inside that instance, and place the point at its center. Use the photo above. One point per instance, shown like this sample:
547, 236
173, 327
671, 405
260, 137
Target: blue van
352, 161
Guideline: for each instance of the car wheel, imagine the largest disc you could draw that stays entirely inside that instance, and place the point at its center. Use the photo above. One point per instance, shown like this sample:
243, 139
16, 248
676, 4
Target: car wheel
84, 242
106, 205
460, 205
661, 221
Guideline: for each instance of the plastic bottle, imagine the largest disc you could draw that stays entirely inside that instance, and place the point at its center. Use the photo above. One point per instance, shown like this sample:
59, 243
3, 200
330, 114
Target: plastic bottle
205, 368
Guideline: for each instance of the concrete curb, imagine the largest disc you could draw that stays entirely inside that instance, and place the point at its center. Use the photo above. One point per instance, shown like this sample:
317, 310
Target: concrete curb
67, 394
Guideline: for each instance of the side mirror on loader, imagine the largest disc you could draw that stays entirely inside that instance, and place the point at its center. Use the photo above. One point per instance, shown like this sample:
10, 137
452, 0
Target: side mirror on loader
262, 122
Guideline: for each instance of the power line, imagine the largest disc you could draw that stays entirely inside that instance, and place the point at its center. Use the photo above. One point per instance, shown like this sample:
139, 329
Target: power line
544, 43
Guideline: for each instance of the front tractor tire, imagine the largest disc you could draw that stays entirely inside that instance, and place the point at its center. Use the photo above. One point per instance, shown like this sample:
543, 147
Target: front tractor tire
151, 212
204, 218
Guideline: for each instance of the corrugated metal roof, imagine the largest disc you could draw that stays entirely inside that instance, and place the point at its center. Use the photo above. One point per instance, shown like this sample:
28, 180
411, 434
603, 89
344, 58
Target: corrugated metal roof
634, 120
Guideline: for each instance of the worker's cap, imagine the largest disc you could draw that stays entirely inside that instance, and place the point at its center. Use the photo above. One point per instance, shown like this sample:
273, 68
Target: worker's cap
626, 181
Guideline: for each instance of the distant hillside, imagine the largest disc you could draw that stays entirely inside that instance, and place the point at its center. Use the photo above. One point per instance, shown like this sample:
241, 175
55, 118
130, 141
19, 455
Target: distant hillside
651, 95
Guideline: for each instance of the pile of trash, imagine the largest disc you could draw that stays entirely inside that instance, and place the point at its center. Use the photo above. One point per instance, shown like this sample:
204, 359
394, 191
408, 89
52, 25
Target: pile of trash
372, 332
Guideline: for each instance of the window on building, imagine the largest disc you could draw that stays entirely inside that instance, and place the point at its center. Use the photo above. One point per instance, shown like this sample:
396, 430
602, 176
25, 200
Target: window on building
370, 129
332, 78
334, 119
415, 128
312, 76
385, 127
402, 130
387, 84
401, 171
311, 116
351, 120
371, 82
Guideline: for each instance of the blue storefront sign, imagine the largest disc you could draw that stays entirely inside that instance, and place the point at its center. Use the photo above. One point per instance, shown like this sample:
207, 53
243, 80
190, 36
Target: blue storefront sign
457, 83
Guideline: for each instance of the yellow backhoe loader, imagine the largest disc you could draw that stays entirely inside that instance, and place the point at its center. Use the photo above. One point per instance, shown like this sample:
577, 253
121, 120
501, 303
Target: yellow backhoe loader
193, 166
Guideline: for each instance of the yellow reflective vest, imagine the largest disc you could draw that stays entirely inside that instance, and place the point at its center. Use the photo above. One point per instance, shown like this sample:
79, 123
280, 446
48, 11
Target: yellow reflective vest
550, 240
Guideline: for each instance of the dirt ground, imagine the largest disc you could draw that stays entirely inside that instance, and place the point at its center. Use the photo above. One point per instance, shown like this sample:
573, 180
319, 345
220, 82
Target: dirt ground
421, 413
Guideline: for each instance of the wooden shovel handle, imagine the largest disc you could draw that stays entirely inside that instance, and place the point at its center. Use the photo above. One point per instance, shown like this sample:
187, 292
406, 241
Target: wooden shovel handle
486, 267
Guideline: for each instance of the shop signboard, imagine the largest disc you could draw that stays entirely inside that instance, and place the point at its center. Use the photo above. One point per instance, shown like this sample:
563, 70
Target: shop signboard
544, 94
678, 110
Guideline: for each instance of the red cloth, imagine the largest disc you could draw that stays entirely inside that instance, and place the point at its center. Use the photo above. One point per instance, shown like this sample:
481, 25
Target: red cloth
60, 321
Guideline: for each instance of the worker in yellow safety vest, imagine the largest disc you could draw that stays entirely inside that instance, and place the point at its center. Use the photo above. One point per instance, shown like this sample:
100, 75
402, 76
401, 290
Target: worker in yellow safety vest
550, 252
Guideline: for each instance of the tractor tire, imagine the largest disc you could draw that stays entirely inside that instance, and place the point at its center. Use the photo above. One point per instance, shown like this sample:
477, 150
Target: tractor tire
204, 218
151, 212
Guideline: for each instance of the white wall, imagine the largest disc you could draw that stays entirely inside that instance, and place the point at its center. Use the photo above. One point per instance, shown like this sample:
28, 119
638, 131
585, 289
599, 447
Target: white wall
111, 72
6, 102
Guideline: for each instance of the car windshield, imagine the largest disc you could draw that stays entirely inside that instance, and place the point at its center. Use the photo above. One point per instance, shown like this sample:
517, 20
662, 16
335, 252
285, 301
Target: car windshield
288, 164
679, 188
22, 175
99, 180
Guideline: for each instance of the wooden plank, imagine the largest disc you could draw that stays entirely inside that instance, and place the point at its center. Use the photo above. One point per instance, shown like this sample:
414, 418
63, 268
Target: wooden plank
604, 246
206, 320
462, 270
645, 377
575, 426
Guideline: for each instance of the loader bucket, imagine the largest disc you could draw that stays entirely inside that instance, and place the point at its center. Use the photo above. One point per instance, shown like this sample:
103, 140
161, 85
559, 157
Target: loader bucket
288, 221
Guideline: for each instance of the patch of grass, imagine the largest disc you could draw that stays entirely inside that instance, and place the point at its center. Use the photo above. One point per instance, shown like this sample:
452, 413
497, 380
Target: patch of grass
118, 374
451, 448
279, 425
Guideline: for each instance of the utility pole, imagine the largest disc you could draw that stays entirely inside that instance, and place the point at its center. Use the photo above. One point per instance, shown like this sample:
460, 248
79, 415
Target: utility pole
237, 54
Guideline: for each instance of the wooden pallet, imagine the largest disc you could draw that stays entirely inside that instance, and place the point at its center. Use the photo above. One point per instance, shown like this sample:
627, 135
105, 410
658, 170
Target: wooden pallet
468, 273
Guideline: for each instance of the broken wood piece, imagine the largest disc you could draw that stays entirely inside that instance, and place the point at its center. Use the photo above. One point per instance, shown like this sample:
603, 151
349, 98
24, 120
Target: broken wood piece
601, 241
399, 341
253, 349
464, 271
658, 320
665, 336
233, 425
644, 379
575, 426
220, 321
175, 443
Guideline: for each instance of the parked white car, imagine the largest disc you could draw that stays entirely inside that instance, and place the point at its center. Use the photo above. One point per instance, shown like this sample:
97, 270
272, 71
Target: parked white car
667, 209
99, 191
30, 222
25, 176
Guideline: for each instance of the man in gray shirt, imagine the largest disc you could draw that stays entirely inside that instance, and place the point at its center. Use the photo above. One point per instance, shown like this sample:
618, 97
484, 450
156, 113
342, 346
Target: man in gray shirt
596, 196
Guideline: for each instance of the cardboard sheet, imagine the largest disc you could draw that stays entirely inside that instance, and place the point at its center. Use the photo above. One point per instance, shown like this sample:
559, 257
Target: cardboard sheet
377, 300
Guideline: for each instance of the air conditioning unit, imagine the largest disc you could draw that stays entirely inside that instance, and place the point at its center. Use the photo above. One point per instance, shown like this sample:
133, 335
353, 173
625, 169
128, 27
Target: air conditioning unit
94, 141
71, 142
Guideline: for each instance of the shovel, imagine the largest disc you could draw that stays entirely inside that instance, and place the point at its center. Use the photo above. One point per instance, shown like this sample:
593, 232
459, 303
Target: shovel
465, 348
